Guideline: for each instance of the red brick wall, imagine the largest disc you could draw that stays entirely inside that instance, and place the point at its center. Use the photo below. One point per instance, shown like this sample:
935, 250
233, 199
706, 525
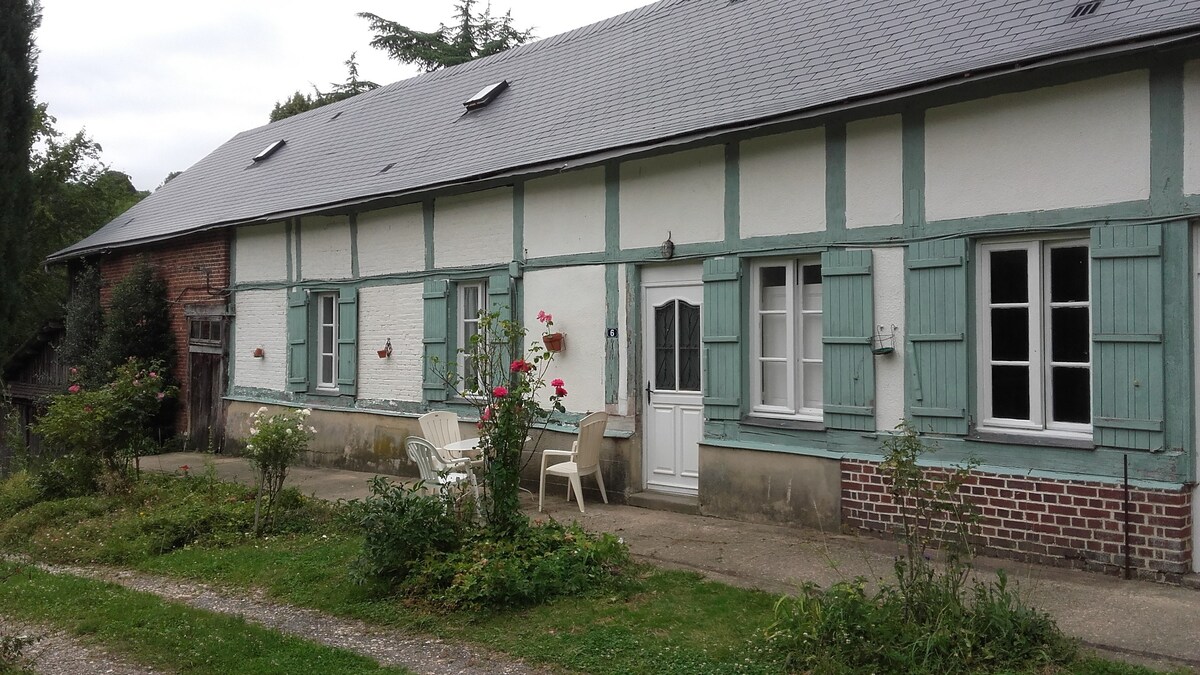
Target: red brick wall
1069, 523
182, 264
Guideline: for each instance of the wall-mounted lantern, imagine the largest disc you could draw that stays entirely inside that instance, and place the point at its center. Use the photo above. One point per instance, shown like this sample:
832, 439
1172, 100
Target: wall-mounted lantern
668, 248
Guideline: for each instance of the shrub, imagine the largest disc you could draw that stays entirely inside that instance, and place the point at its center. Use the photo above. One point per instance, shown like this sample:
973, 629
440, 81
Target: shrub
112, 424
276, 442
71, 475
17, 492
138, 323
83, 323
401, 526
928, 618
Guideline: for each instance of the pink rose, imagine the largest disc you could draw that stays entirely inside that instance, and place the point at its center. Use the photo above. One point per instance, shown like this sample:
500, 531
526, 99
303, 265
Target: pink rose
557, 382
74, 389
520, 366
560, 392
544, 317
160, 396
487, 414
153, 375
500, 392
74, 371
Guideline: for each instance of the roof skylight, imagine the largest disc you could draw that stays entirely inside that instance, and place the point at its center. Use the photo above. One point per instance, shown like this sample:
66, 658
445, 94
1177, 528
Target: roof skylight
269, 150
486, 95
1085, 9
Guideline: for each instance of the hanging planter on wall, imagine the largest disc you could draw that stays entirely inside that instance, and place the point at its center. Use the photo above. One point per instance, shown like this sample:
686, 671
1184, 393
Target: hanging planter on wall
386, 351
553, 341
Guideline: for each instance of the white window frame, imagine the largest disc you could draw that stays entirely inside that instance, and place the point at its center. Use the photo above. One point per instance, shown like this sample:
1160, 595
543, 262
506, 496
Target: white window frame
1040, 337
327, 381
466, 326
794, 357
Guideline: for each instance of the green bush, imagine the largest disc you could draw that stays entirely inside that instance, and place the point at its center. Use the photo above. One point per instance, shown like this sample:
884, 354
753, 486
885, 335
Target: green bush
17, 492
276, 442
419, 546
137, 324
71, 475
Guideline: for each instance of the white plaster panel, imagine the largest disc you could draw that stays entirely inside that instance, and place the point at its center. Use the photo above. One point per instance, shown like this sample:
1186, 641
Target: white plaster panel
391, 240
394, 312
564, 214
325, 247
888, 266
1079, 144
260, 253
1191, 134
874, 172
681, 193
473, 229
783, 183
261, 321
575, 297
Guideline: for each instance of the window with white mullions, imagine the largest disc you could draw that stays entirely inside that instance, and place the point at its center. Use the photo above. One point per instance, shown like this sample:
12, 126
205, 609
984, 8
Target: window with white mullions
786, 318
327, 330
470, 305
1035, 336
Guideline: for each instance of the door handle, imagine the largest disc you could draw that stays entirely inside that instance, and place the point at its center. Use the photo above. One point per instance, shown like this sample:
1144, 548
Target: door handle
647, 390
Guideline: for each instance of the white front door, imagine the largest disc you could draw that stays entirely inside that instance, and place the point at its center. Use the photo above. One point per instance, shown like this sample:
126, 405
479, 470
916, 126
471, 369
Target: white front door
674, 419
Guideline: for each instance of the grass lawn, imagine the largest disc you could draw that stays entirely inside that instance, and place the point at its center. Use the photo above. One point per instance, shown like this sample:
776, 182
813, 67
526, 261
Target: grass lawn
657, 622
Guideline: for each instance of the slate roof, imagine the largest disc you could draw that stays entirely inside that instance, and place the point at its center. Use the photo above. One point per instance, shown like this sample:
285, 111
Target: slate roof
670, 68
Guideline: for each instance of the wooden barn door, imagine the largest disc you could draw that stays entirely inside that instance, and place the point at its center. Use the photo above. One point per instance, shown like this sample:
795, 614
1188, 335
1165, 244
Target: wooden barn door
206, 381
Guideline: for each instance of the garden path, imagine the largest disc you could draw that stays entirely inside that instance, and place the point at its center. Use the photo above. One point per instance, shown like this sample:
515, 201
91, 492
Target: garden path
56, 653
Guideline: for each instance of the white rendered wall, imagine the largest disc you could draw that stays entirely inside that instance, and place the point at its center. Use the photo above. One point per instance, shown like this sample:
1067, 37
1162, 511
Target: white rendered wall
564, 214
473, 229
1080, 144
1191, 140
324, 247
681, 193
261, 322
260, 253
874, 172
391, 240
394, 312
783, 183
575, 297
888, 266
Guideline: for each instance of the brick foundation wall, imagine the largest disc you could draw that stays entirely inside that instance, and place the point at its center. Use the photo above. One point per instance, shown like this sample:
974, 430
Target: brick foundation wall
190, 266
1066, 523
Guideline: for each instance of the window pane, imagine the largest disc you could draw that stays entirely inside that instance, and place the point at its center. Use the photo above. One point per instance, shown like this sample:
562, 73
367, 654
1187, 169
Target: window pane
327, 369
1010, 392
774, 384
1072, 400
774, 288
1069, 274
1010, 276
326, 338
326, 308
812, 385
664, 346
1010, 334
470, 308
811, 275
812, 336
774, 336
1070, 338
810, 296
689, 347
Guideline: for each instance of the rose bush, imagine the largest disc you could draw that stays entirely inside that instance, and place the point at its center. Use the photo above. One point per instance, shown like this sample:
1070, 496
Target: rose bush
274, 444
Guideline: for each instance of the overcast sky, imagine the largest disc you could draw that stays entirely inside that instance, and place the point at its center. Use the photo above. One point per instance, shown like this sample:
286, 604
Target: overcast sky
160, 84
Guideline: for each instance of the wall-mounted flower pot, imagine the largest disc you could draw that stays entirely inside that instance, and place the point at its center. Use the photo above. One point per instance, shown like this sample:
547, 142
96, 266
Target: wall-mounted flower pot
258, 352
553, 341
383, 353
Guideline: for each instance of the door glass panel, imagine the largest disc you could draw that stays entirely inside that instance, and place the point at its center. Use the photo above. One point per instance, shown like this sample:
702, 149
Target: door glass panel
1069, 274
774, 288
689, 347
1010, 334
1072, 400
774, 336
1010, 392
1070, 337
664, 347
1010, 276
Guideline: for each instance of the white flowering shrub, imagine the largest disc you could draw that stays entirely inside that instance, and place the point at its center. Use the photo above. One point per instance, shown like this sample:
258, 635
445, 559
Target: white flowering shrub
275, 443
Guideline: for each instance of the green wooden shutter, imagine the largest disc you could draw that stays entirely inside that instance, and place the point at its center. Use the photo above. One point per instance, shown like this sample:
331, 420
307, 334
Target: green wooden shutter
297, 338
1127, 336
437, 323
500, 300
722, 346
849, 322
936, 305
347, 339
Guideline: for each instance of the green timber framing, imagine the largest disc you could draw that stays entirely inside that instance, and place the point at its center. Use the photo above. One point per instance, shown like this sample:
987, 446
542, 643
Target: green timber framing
1163, 458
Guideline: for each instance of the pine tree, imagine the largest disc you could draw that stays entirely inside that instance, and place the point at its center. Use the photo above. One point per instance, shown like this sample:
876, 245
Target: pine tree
473, 36
18, 71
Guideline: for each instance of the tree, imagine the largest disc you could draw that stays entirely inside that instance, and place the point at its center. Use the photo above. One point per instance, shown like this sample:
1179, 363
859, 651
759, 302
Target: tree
18, 72
474, 35
301, 102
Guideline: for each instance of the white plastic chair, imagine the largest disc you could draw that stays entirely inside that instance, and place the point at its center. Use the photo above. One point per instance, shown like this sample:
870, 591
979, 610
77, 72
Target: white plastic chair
582, 459
436, 471
440, 428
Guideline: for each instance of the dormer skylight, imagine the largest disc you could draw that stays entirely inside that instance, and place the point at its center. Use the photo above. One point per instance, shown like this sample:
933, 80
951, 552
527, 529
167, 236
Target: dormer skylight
269, 150
485, 95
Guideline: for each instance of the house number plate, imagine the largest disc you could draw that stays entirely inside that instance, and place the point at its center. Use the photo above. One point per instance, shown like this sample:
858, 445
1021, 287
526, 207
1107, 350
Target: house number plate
610, 332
